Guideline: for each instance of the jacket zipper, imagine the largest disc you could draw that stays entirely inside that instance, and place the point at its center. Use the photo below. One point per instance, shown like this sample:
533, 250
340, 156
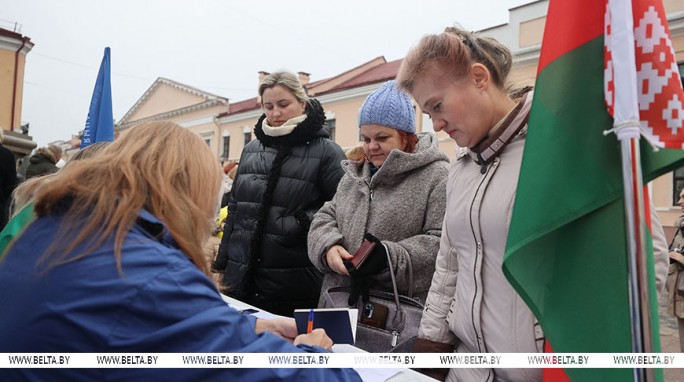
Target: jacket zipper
478, 252
479, 337
370, 200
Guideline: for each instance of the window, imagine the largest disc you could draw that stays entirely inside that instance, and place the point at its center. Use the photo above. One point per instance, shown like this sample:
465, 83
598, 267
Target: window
427, 123
226, 147
677, 184
206, 137
331, 128
678, 174
247, 134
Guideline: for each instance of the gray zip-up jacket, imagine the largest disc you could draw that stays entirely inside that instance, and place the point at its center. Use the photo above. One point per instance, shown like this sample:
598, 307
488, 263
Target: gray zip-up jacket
402, 205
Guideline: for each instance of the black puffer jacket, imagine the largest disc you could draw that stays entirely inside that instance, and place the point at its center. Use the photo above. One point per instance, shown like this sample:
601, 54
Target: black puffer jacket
280, 184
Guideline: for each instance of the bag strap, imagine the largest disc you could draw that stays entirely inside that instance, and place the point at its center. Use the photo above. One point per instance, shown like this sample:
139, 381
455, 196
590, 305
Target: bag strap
674, 237
400, 310
409, 265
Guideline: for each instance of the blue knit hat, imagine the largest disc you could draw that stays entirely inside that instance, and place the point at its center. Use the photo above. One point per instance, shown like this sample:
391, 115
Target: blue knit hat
389, 106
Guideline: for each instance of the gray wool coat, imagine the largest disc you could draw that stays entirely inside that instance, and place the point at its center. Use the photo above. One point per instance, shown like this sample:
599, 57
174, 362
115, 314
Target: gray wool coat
402, 205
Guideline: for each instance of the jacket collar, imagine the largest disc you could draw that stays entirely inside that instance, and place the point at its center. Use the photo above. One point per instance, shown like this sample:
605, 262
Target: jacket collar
398, 163
503, 133
154, 228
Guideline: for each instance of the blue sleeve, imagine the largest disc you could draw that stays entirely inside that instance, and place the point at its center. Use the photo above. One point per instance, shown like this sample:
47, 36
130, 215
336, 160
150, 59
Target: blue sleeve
180, 311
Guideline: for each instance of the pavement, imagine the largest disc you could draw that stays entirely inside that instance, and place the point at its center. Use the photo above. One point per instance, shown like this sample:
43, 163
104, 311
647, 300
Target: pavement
669, 338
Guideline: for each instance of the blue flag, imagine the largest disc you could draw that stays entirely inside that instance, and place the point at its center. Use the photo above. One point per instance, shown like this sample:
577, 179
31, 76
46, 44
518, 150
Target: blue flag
99, 126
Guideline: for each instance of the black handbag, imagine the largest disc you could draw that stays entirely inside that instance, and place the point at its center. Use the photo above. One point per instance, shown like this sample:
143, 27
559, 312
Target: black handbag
401, 325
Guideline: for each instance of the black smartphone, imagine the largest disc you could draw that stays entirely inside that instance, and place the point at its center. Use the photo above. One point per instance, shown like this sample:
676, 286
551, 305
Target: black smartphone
374, 314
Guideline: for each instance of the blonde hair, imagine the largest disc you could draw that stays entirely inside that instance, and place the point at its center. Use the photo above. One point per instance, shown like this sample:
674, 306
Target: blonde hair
90, 151
454, 51
145, 169
287, 80
233, 172
355, 153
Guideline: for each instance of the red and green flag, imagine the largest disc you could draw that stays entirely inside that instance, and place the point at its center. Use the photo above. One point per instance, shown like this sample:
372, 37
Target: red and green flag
566, 251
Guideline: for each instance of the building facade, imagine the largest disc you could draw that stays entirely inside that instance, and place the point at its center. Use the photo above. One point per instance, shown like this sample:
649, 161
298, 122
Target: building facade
168, 100
227, 126
13, 50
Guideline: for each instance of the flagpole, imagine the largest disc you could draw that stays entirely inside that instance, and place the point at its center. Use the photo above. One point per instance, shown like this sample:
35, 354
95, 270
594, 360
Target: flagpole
627, 128
638, 286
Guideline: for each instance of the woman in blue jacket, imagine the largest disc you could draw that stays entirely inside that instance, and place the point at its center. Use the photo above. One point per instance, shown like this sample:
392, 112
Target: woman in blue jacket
114, 263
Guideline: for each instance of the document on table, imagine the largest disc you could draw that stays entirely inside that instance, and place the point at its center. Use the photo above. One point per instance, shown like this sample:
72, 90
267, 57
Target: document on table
246, 308
377, 375
367, 375
381, 375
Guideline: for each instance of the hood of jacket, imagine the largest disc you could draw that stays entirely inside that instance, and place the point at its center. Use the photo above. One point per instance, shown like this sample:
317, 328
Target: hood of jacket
43, 155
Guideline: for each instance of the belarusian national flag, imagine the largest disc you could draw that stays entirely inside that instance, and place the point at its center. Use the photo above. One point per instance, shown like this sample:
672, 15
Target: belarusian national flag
566, 251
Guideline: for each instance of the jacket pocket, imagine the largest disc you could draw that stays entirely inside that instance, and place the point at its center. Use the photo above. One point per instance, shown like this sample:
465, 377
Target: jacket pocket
452, 318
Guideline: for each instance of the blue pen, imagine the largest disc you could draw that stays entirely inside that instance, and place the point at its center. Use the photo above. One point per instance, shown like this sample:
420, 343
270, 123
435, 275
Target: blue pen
309, 326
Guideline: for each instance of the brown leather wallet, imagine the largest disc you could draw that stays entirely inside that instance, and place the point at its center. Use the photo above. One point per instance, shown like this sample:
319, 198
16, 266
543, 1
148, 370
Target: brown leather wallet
362, 254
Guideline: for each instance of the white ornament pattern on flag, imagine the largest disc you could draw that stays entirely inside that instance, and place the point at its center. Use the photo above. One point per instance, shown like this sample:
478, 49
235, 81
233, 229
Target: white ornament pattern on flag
660, 88
608, 70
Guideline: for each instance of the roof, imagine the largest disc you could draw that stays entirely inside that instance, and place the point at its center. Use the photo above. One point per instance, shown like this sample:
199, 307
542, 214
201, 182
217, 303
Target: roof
165, 81
13, 42
241, 107
9, 33
324, 86
381, 73
370, 72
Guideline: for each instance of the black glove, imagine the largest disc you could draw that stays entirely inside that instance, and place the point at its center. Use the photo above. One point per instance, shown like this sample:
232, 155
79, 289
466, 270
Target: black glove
303, 221
361, 278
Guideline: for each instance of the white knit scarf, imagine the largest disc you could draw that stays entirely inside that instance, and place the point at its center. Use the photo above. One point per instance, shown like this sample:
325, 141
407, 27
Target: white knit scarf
285, 129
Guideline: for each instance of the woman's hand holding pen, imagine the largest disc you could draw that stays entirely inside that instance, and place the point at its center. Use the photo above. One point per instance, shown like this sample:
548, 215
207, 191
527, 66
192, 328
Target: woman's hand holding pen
286, 328
334, 257
317, 337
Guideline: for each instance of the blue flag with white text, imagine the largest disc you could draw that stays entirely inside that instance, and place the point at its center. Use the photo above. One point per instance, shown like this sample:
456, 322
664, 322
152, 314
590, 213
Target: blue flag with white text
99, 125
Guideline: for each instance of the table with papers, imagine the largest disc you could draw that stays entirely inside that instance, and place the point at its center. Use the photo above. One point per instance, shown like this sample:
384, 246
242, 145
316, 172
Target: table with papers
367, 374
